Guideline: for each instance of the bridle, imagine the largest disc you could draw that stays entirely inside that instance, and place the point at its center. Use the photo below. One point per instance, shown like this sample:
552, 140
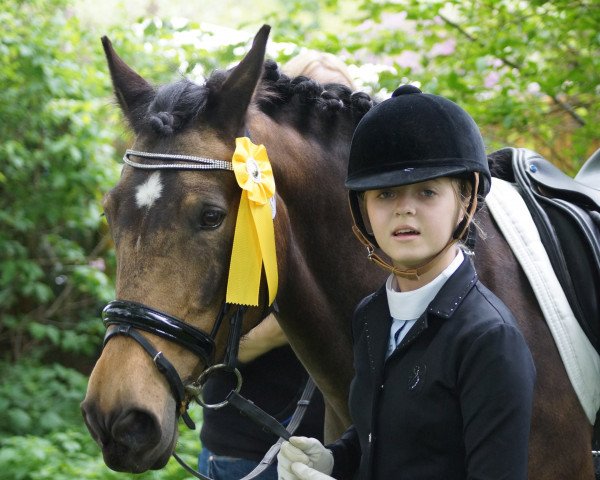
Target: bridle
126, 318
129, 318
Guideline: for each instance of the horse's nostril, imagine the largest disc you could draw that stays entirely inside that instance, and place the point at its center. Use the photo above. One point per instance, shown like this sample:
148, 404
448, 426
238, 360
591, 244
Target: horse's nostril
136, 429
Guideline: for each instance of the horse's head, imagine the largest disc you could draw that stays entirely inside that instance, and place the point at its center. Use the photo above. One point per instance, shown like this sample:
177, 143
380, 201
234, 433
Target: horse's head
173, 231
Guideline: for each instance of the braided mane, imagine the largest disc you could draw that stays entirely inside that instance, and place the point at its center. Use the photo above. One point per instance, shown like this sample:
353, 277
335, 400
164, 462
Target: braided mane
177, 105
279, 89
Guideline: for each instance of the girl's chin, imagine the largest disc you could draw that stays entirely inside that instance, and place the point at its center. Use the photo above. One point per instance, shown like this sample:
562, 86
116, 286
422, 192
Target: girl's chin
410, 263
407, 265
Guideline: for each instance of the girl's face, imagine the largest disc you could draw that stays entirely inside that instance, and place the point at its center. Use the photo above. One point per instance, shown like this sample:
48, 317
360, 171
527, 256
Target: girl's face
413, 223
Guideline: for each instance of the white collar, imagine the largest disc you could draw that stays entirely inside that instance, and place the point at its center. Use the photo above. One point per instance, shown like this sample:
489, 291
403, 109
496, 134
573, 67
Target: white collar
410, 305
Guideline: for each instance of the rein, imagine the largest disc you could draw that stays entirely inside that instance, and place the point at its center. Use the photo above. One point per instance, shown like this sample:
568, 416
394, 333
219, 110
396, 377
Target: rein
126, 318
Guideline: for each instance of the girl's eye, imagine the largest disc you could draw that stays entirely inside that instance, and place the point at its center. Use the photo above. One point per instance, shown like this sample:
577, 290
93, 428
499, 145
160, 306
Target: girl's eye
385, 194
428, 193
211, 218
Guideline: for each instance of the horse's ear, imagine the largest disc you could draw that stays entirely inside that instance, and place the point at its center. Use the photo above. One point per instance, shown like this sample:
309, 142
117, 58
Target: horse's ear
237, 90
132, 91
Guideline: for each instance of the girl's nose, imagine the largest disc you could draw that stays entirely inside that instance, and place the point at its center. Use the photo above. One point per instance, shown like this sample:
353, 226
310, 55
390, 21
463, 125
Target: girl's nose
405, 206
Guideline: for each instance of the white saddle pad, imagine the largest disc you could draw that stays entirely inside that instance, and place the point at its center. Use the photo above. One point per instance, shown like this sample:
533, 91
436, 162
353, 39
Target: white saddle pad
581, 360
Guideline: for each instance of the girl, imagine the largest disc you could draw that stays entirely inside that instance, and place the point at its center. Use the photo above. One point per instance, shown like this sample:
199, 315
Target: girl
443, 380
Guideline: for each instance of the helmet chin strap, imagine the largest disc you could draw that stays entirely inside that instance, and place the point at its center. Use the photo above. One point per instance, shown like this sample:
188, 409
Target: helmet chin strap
410, 273
415, 273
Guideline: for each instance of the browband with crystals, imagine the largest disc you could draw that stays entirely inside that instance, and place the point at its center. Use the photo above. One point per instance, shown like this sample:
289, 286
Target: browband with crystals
254, 238
196, 163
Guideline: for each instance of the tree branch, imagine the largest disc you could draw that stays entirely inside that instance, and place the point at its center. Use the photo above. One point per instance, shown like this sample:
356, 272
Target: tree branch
563, 105
66, 292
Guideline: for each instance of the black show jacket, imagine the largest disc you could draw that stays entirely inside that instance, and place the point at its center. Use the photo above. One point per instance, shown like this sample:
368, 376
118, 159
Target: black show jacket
453, 402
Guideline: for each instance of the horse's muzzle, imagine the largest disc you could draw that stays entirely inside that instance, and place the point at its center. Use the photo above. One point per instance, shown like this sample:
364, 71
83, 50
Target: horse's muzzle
131, 440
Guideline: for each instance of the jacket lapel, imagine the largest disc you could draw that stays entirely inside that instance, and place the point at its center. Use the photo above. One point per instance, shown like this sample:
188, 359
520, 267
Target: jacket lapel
378, 322
377, 319
445, 302
417, 329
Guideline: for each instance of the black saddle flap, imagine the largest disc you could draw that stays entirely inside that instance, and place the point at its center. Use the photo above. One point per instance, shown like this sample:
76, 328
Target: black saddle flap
567, 216
575, 228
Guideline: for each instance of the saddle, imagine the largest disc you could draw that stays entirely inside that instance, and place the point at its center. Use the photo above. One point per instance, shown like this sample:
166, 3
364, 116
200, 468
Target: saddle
566, 212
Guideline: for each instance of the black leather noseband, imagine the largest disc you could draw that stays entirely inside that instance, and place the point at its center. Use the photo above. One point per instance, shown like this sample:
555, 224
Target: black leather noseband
158, 323
127, 318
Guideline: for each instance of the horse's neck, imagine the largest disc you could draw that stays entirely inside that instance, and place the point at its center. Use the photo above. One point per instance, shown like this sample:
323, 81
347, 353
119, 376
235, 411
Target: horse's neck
501, 272
314, 227
309, 170
319, 151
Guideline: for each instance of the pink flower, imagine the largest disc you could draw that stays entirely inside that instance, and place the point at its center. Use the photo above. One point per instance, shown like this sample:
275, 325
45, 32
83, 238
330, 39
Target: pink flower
98, 264
443, 48
397, 21
409, 59
491, 80
534, 88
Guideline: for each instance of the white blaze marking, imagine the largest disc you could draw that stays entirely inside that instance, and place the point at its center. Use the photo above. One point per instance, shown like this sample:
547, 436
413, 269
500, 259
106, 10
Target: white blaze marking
149, 191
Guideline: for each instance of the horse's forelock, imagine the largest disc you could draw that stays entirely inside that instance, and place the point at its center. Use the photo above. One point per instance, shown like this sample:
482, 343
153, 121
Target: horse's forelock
175, 106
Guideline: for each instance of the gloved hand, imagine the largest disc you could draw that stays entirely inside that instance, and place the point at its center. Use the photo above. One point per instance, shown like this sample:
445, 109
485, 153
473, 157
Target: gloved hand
303, 472
308, 451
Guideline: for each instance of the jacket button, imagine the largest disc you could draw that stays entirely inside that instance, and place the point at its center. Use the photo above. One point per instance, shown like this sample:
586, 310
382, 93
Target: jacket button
381, 386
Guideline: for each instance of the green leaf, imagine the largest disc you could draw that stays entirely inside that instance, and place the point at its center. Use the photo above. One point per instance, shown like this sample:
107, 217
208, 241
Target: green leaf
18, 420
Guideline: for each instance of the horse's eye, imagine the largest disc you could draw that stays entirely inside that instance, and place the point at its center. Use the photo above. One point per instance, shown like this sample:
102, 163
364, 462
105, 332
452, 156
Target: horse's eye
211, 218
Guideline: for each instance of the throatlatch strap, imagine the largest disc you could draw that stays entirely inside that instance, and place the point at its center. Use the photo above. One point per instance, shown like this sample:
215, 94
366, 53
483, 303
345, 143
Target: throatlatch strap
411, 273
235, 333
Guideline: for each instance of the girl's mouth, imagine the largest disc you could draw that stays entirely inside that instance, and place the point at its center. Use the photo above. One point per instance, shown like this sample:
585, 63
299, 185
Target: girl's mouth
405, 232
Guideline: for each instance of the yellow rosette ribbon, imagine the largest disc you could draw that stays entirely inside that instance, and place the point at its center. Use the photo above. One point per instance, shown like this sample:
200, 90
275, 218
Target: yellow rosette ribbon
254, 238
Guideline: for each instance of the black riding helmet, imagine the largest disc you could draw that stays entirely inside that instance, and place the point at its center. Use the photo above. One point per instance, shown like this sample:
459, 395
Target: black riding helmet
410, 138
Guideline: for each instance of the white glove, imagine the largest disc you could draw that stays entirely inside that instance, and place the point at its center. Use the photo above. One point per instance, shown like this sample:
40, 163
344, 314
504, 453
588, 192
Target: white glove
308, 451
306, 473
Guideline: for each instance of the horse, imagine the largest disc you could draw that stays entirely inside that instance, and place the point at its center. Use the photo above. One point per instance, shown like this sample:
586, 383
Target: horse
173, 231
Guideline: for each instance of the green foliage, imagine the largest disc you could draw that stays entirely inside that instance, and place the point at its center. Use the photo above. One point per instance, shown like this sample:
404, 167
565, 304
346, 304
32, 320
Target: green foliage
42, 435
27, 390
528, 71
56, 151
71, 454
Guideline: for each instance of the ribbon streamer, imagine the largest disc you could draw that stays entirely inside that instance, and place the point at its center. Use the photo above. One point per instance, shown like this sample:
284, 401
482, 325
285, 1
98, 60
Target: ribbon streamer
254, 238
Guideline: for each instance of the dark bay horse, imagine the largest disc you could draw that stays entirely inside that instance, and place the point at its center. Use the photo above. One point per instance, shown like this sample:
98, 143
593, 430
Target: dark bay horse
173, 233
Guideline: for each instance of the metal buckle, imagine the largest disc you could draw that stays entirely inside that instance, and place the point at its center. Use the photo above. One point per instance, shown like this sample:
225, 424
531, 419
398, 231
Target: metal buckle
195, 389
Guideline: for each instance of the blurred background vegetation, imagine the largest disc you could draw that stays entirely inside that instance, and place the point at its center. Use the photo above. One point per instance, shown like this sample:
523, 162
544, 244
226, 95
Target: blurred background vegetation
528, 71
